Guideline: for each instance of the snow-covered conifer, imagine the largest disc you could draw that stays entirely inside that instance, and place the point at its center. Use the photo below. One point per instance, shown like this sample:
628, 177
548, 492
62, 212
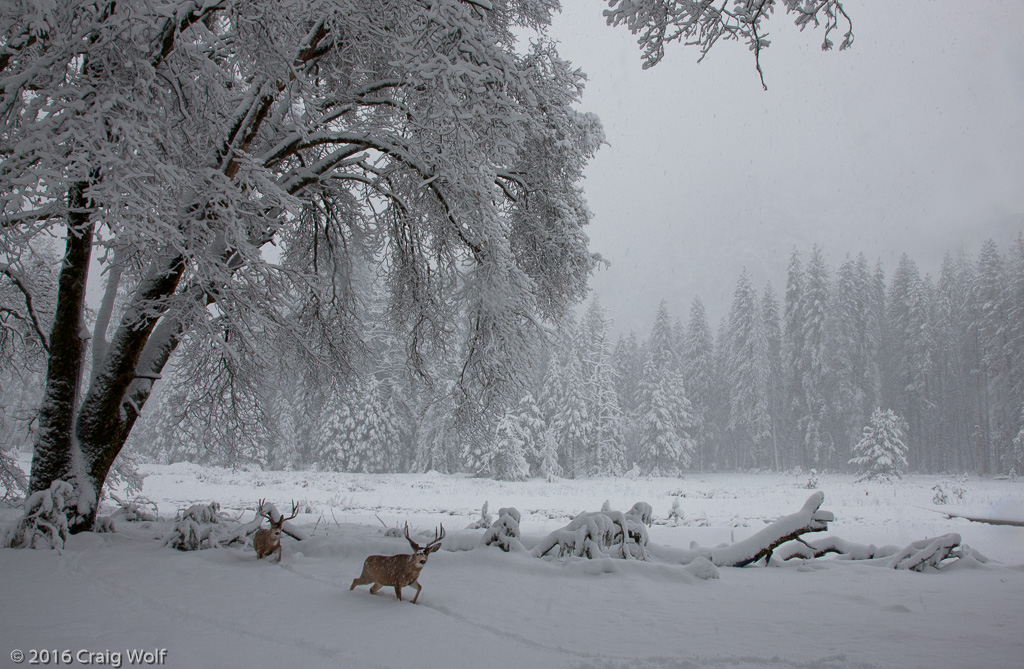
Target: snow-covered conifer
882, 451
508, 453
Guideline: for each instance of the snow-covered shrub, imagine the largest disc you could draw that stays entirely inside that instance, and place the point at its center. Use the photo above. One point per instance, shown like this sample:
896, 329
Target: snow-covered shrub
641, 513
103, 524
202, 513
946, 490
812, 480
882, 451
504, 532
199, 526
484, 521
675, 514
608, 534
45, 522
137, 509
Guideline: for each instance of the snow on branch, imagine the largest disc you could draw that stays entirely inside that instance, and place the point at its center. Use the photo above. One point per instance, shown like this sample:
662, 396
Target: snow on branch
810, 518
926, 553
704, 24
597, 534
45, 522
206, 526
504, 532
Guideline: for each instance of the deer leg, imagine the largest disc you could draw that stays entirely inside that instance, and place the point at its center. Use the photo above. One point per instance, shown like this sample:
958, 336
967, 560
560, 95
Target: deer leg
375, 587
398, 592
280, 553
418, 589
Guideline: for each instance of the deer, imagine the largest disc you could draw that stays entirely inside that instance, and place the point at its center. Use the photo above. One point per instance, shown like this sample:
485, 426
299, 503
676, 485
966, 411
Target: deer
267, 541
398, 570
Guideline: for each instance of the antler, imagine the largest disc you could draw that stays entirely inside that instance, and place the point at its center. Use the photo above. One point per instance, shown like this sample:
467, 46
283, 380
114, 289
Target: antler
437, 537
261, 512
415, 546
295, 511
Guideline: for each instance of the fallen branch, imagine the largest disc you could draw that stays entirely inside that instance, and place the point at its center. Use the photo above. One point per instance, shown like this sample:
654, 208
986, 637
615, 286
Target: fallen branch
808, 550
926, 553
979, 519
808, 519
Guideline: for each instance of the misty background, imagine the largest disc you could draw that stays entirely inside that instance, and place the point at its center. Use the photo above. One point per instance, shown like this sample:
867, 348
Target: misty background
909, 142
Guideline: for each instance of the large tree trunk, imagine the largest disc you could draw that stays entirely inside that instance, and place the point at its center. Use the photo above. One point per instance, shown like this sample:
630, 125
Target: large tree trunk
79, 441
56, 455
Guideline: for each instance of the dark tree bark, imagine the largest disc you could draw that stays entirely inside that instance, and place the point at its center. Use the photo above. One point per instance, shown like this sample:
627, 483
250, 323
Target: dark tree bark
56, 449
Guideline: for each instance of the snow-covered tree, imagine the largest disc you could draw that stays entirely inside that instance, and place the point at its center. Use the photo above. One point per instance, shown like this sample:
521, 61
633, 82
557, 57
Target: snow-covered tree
549, 465
912, 345
665, 445
749, 374
993, 326
818, 443
776, 386
882, 451
508, 452
608, 449
361, 431
194, 134
698, 365
437, 443
572, 423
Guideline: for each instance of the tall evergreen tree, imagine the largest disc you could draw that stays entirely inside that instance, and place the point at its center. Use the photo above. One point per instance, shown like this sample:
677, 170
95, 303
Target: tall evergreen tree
793, 358
850, 348
776, 386
912, 366
956, 404
990, 299
507, 456
665, 420
749, 375
818, 443
698, 364
607, 456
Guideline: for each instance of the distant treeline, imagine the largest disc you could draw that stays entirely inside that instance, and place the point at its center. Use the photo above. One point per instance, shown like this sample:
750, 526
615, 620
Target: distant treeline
785, 381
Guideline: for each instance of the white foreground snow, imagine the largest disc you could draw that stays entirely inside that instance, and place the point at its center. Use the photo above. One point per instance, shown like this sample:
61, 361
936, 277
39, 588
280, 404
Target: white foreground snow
110, 593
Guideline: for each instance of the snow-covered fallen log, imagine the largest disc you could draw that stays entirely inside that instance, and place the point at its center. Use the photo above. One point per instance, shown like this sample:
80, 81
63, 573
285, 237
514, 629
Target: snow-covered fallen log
916, 556
808, 550
810, 518
926, 553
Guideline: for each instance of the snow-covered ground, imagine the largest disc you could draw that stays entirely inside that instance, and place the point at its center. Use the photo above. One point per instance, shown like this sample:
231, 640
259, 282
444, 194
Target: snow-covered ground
110, 593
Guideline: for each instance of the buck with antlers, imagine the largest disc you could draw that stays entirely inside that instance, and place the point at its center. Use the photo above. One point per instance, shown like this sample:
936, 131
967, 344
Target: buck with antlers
398, 570
267, 541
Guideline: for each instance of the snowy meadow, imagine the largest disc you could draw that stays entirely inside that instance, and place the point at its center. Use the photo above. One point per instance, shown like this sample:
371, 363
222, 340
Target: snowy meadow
109, 593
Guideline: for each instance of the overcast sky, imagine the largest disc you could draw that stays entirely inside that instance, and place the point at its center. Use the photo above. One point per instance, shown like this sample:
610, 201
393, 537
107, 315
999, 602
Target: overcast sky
912, 141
